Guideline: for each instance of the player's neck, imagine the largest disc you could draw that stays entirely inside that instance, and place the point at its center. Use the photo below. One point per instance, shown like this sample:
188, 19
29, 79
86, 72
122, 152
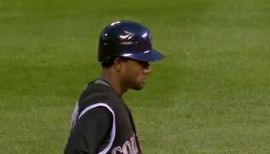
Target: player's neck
114, 81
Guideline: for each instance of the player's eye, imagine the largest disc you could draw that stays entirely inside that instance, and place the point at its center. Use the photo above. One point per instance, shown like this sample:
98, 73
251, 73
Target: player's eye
143, 64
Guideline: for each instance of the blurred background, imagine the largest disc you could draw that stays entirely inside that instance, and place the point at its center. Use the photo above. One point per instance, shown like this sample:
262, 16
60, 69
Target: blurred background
210, 94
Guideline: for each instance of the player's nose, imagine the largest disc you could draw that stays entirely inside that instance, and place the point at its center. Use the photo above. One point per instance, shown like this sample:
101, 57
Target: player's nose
147, 70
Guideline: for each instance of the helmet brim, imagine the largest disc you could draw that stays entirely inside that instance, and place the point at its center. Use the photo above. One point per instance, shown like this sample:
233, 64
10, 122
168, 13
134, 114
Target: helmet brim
146, 56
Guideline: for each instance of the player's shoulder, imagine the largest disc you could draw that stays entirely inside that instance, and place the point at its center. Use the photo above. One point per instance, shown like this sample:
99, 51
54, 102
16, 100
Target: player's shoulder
98, 111
100, 92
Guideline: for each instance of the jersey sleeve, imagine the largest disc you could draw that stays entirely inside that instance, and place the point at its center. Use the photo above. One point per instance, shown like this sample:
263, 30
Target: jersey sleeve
90, 132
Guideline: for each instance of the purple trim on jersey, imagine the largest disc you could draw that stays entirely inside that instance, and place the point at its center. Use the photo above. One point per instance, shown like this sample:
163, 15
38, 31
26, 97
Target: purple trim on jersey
113, 131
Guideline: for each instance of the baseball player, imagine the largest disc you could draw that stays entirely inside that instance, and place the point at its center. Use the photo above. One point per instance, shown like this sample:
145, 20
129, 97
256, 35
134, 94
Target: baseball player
101, 121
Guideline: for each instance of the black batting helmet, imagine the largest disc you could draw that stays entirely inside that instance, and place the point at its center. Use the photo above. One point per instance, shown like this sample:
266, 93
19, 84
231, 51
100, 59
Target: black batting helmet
126, 39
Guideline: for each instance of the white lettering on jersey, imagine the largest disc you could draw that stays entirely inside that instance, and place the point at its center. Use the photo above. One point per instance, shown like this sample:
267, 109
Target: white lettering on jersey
129, 147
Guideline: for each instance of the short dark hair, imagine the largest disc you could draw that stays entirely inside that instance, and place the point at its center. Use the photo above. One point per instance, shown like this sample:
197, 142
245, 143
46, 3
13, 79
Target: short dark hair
107, 63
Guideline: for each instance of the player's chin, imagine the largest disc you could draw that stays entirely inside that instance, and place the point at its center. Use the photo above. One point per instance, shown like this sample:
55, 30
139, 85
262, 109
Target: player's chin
138, 86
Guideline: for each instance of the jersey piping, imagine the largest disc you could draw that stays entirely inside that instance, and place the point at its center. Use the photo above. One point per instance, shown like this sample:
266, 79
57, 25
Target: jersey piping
113, 131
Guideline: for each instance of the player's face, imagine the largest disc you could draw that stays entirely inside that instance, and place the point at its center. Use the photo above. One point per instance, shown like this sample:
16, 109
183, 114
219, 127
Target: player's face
135, 73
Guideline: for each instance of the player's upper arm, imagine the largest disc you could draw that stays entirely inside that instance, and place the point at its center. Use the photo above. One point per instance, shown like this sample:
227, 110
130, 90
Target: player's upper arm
91, 130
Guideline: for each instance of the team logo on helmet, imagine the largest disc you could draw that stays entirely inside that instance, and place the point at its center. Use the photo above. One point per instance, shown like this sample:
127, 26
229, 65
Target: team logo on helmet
126, 37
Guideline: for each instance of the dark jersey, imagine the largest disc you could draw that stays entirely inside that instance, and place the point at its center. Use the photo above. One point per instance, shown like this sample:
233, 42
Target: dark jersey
102, 123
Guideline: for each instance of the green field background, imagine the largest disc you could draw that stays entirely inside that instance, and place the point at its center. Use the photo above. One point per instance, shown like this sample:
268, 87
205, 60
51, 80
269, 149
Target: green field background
210, 95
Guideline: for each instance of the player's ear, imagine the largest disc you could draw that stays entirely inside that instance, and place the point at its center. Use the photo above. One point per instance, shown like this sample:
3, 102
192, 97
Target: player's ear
119, 63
